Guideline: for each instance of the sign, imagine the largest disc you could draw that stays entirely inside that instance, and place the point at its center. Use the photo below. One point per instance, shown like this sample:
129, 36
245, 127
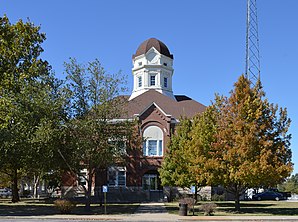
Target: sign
193, 189
104, 189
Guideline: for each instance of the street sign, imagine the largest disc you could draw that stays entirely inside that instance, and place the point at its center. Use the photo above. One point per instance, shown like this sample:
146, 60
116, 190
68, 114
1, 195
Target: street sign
193, 189
104, 189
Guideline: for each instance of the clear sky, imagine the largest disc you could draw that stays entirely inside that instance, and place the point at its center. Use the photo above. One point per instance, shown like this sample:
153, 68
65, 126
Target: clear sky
206, 37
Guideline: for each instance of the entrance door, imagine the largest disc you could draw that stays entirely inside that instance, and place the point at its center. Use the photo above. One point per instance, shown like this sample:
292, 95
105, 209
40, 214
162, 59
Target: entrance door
150, 182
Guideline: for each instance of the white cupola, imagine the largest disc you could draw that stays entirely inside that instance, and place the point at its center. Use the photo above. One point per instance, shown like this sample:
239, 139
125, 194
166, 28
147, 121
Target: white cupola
152, 69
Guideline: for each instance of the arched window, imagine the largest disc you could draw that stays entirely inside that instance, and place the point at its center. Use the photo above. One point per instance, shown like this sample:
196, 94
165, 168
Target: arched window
153, 141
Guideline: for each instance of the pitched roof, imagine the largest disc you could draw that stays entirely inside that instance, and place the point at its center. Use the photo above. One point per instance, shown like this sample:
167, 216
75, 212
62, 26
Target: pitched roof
184, 106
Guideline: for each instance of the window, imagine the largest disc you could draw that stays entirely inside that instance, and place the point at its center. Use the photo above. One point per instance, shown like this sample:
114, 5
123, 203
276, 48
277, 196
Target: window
153, 141
165, 82
152, 147
152, 80
151, 181
140, 63
160, 147
82, 177
165, 64
117, 176
140, 81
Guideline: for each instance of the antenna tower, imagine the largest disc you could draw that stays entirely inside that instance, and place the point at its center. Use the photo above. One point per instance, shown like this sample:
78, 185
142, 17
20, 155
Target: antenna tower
252, 66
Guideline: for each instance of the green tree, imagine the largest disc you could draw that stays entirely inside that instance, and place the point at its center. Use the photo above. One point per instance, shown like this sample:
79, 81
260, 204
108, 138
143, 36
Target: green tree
187, 161
175, 167
94, 132
290, 185
252, 144
200, 148
28, 101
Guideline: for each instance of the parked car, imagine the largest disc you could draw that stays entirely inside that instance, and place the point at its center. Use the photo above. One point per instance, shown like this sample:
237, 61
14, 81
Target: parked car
268, 195
5, 192
285, 194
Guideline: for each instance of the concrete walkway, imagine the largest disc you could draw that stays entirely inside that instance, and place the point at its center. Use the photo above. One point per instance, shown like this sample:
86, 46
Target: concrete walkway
152, 212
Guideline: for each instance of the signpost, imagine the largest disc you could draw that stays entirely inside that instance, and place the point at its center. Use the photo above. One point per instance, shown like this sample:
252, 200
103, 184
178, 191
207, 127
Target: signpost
193, 191
105, 190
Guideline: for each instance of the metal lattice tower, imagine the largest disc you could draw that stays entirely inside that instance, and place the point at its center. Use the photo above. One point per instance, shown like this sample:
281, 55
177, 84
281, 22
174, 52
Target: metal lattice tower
252, 69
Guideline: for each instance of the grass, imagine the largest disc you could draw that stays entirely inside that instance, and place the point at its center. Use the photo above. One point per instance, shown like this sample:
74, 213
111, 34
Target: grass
31, 207
255, 208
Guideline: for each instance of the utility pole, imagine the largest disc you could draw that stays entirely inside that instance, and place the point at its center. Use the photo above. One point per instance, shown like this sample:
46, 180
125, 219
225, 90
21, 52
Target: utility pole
252, 66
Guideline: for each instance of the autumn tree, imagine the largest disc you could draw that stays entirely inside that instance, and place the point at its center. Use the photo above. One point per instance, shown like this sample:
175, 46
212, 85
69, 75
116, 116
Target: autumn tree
29, 107
251, 147
238, 142
95, 137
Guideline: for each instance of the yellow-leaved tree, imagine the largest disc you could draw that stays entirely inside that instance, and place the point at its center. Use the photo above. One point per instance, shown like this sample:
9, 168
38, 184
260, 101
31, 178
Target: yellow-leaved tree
252, 147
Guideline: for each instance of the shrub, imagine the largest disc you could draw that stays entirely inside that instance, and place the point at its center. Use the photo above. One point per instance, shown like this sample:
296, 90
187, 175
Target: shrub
218, 197
208, 208
64, 206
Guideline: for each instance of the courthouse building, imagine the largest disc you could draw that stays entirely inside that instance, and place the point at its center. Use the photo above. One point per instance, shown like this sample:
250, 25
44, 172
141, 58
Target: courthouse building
157, 109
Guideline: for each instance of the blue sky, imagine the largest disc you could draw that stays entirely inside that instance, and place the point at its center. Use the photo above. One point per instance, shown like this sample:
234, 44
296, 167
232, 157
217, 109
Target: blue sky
207, 39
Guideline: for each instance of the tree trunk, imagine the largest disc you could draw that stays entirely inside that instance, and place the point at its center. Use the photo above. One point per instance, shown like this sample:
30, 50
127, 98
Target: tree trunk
88, 193
99, 182
15, 192
237, 201
196, 193
35, 186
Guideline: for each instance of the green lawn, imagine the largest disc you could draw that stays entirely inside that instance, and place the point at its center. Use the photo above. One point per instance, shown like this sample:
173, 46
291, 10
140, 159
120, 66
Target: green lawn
38, 208
256, 208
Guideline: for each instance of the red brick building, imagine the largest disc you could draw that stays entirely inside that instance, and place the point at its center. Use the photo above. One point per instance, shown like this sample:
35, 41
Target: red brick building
157, 110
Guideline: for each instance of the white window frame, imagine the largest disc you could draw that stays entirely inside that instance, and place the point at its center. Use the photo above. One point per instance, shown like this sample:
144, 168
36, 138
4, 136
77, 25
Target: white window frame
146, 147
165, 82
151, 135
152, 79
116, 170
140, 82
82, 177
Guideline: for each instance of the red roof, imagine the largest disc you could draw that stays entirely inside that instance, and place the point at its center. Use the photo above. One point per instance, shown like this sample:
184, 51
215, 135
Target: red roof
184, 106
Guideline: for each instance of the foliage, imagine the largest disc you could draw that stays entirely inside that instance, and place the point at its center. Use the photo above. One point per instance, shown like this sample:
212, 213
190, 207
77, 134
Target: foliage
64, 206
252, 145
174, 170
218, 197
31, 107
290, 185
238, 142
208, 208
93, 138
4, 180
200, 146
185, 163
